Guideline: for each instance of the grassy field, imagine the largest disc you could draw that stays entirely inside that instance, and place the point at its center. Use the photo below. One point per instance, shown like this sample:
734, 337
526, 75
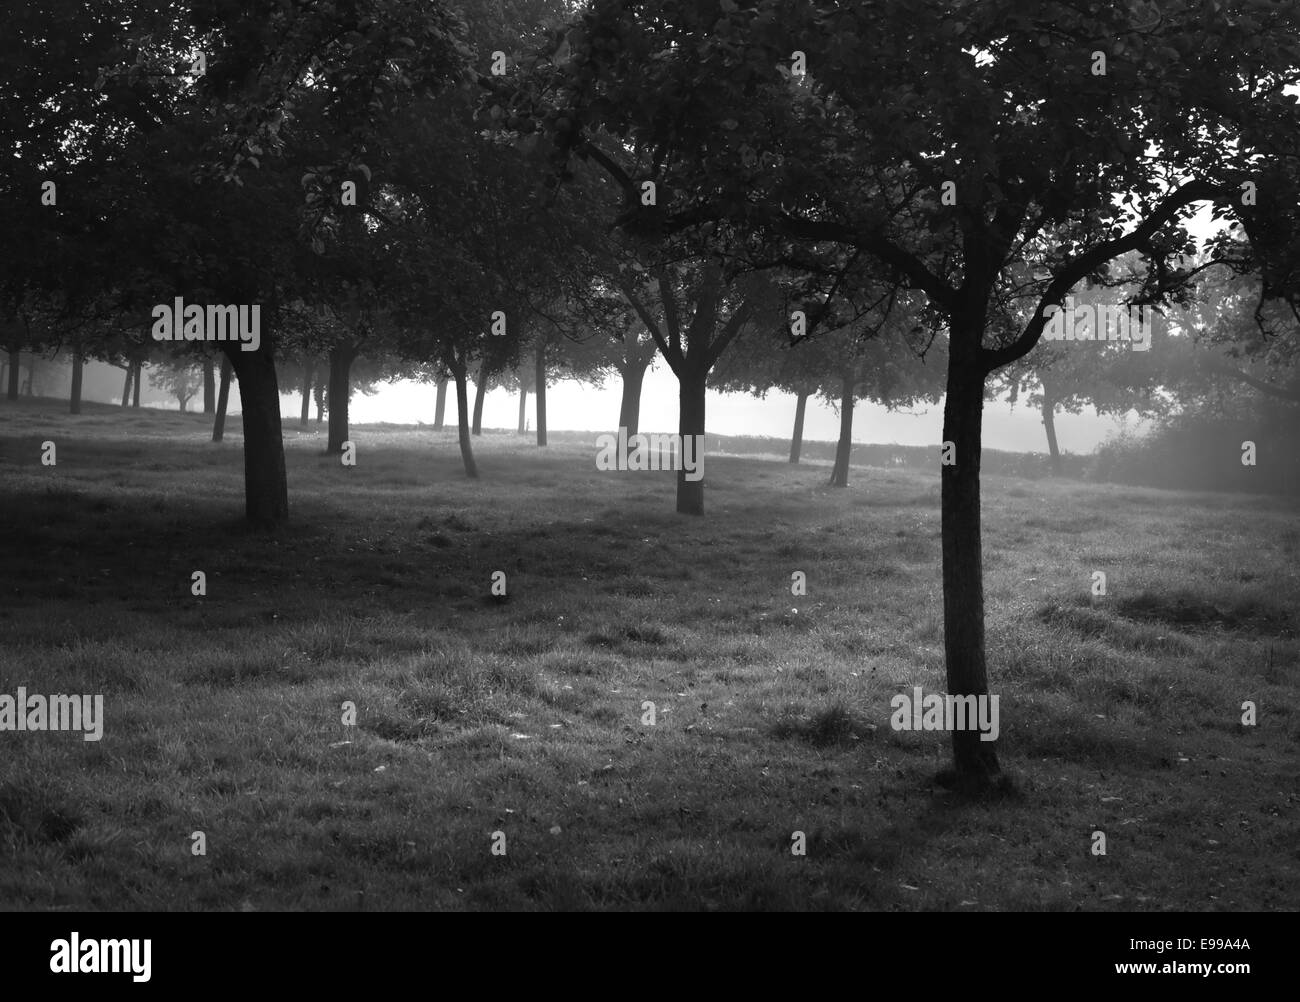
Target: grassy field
1119, 714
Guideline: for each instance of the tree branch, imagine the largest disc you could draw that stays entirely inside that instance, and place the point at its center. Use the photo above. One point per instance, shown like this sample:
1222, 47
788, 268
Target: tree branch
1087, 262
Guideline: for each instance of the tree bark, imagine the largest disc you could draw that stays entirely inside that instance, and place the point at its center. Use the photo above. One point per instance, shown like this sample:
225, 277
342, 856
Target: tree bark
319, 394
78, 372
126, 387
209, 385
1049, 422
440, 407
963, 563
690, 421
340, 390
462, 418
480, 391
523, 409
137, 369
31, 376
223, 400
266, 486
796, 438
629, 409
539, 389
840, 472
308, 374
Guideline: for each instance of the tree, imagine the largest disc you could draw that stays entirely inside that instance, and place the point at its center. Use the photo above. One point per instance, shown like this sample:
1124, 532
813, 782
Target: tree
880, 365
878, 348
609, 336
775, 361
223, 399
353, 65
560, 354
180, 378
703, 310
472, 212
634, 354
131, 137
209, 384
1234, 337
947, 142
1111, 375
440, 404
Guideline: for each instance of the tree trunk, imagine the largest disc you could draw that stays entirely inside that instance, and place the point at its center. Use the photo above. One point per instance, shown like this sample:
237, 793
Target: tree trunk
629, 410
31, 377
462, 418
137, 369
209, 385
308, 374
480, 391
1049, 422
126, 387
78, 372
223, 399
840, 473
440, 407
523, 409
690, 421
963, 564
796, 438
539, 389
340, 390
319, 394
266, 486
15, 356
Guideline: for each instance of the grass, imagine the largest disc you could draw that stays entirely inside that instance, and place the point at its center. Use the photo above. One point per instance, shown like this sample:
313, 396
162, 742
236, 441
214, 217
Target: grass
1120, 713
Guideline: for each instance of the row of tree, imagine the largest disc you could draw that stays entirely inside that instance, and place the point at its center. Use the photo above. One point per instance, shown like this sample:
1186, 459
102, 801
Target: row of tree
882, 200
